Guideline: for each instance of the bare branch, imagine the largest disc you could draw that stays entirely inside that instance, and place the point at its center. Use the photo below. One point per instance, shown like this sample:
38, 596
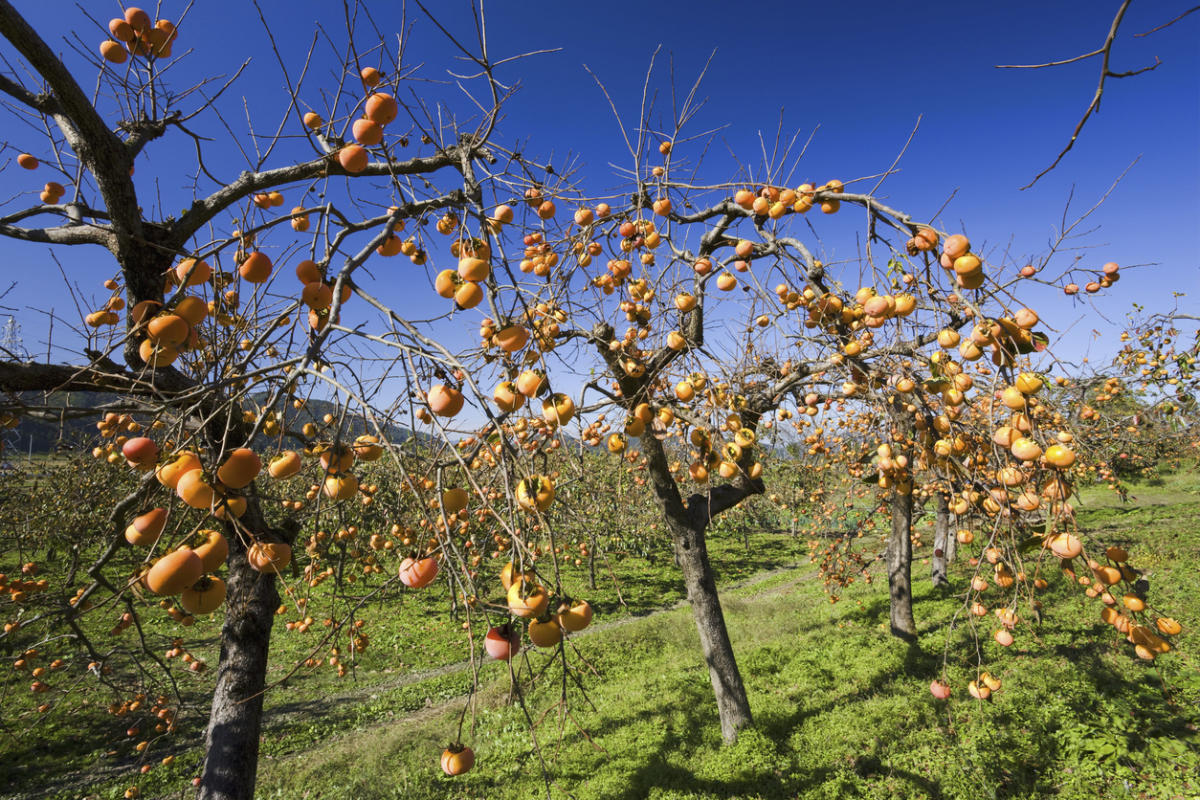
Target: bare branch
1105, 74
1167, 24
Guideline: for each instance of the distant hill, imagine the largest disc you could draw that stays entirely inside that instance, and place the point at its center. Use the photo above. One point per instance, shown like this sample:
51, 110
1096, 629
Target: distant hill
45, 434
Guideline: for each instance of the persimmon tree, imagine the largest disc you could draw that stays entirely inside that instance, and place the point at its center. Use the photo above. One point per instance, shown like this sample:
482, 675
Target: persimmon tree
208, 321
675, 323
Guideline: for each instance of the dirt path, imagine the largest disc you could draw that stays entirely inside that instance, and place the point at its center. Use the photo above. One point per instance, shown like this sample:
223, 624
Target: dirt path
277, 718
281, 715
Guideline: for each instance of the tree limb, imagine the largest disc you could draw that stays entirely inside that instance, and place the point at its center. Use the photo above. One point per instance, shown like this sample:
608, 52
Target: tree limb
43, 103
96, 145
1105, 73
100, 376
250, 182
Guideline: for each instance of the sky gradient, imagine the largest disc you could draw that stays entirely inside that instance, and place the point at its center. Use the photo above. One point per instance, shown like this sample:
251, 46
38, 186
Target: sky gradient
856, 77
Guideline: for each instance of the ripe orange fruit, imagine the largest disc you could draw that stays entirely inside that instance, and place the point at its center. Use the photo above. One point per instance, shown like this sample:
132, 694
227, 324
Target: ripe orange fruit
457, 759
317, 295
138, 19
508, 397
256, 268
535, 493
340, 487
353, 158
445, 401
381, 108
1066, 545
417, 573
194, 490
204, 596
473, 269
545, 634
120, 29
169, 474
575, 617
192, 272
531, 382
370, 77
168, 329
269, 557
956, 246
192, 309
113, 51
468, 295
367, 132
512, 338
174, 572
1059, 455
213, 550
285, 465
527, 599
240, 468
146, 528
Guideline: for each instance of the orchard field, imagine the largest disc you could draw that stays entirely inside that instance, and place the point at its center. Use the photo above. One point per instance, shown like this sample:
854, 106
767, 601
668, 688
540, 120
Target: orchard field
410, 401
842, 708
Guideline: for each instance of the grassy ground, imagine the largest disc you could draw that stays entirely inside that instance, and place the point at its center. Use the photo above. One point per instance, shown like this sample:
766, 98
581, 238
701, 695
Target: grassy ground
414, 662
842, 709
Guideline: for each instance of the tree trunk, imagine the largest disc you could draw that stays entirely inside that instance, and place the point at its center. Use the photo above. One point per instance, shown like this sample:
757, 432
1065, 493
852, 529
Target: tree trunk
943, 540
592, 564
687, 526
733, 707
235, 721
899, 563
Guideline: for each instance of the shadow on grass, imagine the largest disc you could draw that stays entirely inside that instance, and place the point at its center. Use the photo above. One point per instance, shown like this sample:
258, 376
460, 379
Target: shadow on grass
1014, 757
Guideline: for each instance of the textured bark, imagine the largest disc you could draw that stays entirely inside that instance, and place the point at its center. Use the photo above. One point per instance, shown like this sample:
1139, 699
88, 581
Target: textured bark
733, 707
235, 720
899, 549
899, 563
687, 525
943, 540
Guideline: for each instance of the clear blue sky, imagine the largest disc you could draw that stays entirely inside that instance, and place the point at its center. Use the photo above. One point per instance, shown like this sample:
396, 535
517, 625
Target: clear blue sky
863, 72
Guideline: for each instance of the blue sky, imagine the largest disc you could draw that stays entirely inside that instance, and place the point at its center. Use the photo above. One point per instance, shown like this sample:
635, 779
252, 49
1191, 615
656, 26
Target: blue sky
862, 72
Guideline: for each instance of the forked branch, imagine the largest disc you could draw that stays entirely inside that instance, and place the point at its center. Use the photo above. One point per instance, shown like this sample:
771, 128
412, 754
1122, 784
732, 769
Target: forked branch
1105, 73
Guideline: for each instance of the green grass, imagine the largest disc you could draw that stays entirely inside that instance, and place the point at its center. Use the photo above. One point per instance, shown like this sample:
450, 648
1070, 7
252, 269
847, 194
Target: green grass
415, 660
842, 709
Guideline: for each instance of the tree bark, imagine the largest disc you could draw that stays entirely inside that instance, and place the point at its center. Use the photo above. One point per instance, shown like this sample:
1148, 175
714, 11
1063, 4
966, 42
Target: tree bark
943, 540
235, 720
733, 707
687, 524
899, 563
